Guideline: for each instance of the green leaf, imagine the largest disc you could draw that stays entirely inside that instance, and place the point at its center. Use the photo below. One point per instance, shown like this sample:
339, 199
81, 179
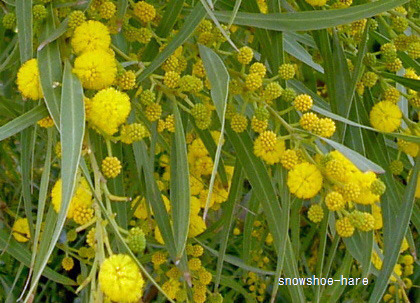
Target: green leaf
50, 70
238, 262
180, 185
24, 26
219, 80
410, 83
55, 34
72, 131
228, 216
360, 161
394, 234
293, 48
20, 123
21, 253
154, 197
310, 20
257, 175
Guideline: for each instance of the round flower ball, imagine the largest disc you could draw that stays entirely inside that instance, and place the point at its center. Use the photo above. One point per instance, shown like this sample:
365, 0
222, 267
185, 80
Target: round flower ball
120, 279
81, 198
109, 109
304, 180
28, 81
96, 69
385, 116
89, 36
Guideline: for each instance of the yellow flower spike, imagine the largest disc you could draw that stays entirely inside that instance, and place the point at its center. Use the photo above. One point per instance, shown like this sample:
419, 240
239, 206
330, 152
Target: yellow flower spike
120, 279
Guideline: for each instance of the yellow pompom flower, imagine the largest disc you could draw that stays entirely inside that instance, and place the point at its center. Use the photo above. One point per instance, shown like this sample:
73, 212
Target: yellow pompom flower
385, 116
334, 201
315, 213
316, 2
289, 159
120, 279
197, 226
269, 147
89, 36
309, 121
81, 197
253, 81
28, 81
96, 69
109, 109
245, 55
46, 122
304, 180
171, 79
344, 227
82, 214
303, 102
144, 11
324, 127
21, 230
111, 167
67, 263
238, 123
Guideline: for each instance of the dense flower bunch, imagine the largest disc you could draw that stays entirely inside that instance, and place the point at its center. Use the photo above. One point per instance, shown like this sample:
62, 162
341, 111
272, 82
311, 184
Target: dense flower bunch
210, 149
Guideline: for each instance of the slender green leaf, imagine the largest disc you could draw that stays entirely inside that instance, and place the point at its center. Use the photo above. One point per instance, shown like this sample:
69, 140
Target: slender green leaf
50, 70
21, 253
20, 123
219, 80
410, 83
24, 26
228, 215
180, 185
311, 20
72, 131
394, 235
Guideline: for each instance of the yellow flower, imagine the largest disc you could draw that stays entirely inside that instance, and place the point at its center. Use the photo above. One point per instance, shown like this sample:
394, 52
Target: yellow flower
21, 230
304, 180
89, 36
269, 147
109, 109
316, 2
197, 226
96, 69
144, 11
82, 197
28, 81
385, 116
344, 227
142, 208
120, 279
417, 194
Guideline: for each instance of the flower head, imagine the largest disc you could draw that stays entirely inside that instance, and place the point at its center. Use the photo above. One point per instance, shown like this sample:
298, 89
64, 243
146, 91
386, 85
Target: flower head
269, 147
81, 197
109, 109
96, 69
304, 180
28, 81
385, 116
89, 36
120, 279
